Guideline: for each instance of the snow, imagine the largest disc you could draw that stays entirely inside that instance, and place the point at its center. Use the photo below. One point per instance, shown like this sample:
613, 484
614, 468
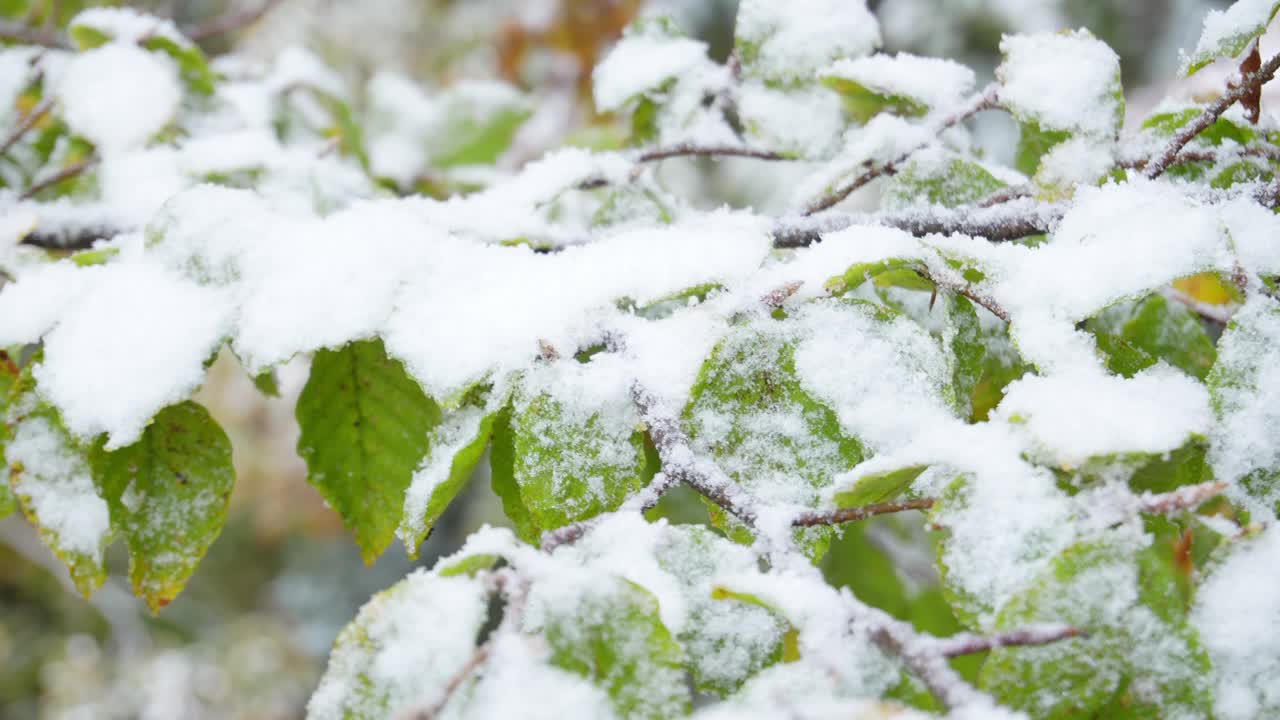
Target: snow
1224, 30
642, 63
1236, 613
57, 489
119, 95
884, 139
132, 342
792, 41
128, 26
929, 82
1082, 71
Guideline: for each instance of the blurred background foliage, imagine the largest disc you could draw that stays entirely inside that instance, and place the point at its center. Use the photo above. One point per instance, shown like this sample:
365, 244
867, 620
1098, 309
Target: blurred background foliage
251, 633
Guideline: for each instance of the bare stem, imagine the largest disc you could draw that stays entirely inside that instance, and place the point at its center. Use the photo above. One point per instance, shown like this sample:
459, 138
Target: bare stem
968, 644
64, 174
1184, 498
854, 514
710, 151
24, 126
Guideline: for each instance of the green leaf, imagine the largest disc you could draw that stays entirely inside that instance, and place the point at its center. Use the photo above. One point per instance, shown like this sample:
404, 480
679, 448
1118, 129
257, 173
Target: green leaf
365, 427
267, 383
726, 642
476, 130
878, 488
863, 103
456, 446
951, 181
192, 64
967, 348
1033, 142
168, 495
749, 411
1134, 336
1165, 124
470, 565
9, 374
855, 276
50, 476
611, 633
1107, 587
403, 649
87, 37
1242, 387
1227, 33
560, 460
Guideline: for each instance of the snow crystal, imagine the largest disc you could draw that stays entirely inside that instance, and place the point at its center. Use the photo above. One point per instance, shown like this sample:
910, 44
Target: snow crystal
792, 41
119, 95
1237, 611
1063, 81
930, 82
133, 341
57, 488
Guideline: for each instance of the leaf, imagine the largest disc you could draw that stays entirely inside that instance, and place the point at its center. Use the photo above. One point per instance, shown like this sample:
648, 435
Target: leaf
967, 348
855, 276
726, 642
192, 64
878, 488
168, 495
750, 413
50, 476
365, 427
1033, 142
949, 181
477, 126
570, 457
1134, 336
1227, 33
611, 633
502, 463
1109, 588
1244, 387
9, 374
456, 446
470, 565
267, 383
402, 649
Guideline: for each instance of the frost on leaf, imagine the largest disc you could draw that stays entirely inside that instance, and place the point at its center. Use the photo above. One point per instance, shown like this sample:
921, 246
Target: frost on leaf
1228, 32
51, 478
1140, 655
750, 412
402, 649
570, 447
940, 178
366, 425
726, 641
1236, 612
168, 495
608, 630
1245, 386
9, 373
1133, 336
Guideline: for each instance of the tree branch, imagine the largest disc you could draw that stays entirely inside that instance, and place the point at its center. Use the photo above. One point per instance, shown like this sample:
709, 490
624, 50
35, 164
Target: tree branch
641, 502
711, 151
815, 518
967, 291
17, 32
1007, 221
25, 124
984, 100
1184, 498
65, 173
969, 644
1249, 84
231, 21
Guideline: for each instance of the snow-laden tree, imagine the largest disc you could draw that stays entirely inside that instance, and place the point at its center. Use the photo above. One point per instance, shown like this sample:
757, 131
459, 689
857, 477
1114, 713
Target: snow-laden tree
1070, 365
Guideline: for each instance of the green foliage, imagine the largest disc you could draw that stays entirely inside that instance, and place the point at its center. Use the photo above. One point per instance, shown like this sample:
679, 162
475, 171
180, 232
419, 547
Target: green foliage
365, 428
952, 182
1135, 336
738, 413
1248, 20
168, 495
612, 635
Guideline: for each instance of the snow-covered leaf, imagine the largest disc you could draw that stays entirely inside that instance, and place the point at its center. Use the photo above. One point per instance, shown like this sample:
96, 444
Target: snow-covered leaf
168, 495
1227, 33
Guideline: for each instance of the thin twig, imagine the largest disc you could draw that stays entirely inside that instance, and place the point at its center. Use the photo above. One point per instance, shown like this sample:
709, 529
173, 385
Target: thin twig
1249, 84
231, 21
778, 297
641, 502
814, 518
24, 126
984, 100
1008, 221
65, 173
709, 151
967, 291
17, 32
1184, 498
968, 644
468, 669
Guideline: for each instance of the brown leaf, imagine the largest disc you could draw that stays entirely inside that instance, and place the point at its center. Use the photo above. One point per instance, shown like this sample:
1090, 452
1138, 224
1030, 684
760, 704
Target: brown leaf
1252, 102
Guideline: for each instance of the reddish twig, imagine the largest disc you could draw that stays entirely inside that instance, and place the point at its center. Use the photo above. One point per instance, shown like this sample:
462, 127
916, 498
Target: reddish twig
1184, 498
839, 516
25, 124
967, 644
